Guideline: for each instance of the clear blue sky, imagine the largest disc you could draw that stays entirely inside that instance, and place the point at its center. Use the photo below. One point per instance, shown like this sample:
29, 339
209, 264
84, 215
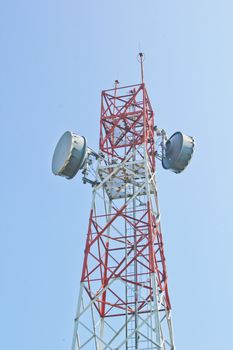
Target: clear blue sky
56, 57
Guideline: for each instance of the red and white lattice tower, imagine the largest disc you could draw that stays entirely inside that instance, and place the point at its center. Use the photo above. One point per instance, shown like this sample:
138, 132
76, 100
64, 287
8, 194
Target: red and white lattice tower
123, 298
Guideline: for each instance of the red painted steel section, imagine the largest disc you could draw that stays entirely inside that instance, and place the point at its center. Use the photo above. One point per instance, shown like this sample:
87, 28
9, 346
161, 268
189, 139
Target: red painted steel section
127, 121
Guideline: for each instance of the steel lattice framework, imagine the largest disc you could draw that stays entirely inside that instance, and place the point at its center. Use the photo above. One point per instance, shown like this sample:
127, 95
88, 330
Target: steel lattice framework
123, 299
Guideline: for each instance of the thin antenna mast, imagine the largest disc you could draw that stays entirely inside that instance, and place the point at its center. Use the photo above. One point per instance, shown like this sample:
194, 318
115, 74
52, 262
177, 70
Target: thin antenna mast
141, 59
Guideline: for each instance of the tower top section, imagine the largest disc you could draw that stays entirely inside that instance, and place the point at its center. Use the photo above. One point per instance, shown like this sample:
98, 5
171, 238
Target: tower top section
127, 130
126, 123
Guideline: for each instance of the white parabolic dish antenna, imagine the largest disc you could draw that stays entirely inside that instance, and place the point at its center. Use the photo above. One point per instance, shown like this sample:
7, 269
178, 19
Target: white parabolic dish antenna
69, 155
178, 152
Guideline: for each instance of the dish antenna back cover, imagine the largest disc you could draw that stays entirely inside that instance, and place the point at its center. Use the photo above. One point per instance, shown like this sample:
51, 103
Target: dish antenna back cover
69, 155
178, 152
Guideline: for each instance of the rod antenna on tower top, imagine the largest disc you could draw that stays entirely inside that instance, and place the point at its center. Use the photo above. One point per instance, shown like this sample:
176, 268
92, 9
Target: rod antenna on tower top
116, 83
141, 59
115, 94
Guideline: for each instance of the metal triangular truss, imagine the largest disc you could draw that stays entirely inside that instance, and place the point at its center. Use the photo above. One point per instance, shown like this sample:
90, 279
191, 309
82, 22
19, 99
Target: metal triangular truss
123, 298
119, 241
120, 334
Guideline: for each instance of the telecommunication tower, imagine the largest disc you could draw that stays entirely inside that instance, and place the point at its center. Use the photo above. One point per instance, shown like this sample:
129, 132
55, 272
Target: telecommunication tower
123, 298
